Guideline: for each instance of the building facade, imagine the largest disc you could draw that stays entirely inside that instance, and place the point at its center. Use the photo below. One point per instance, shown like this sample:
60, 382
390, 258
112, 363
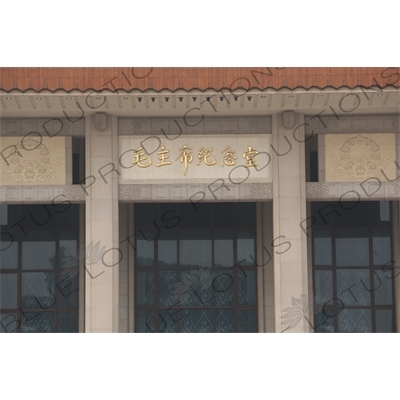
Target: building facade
199, 200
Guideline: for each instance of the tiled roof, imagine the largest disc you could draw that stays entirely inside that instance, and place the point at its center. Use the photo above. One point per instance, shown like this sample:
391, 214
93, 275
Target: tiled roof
193, 78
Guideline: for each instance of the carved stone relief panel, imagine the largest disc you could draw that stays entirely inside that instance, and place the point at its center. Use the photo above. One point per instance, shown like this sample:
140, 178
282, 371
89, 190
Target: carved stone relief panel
357, 157
35, 160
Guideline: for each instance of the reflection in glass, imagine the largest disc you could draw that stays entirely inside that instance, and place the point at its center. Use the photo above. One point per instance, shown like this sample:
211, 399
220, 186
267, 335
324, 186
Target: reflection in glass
383, 287
247, 321
195, 249
38, 322
384, 321
223, 288
68, 252
144, 253
8, 291
245, 248
352, 248
355, 321
68, 322
167, 250
246, 287
225, 321
144, 321
197, 320
8, 252
38, 290
145, 288
382, 249
223, 249
322, 247
351, 287
38, 251
323, 286
8, 323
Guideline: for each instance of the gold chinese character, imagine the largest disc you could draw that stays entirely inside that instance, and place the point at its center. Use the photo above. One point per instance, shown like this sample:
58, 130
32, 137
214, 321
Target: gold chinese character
163, 156
228, 158
185, 156
203, 155
249, 156
141, 156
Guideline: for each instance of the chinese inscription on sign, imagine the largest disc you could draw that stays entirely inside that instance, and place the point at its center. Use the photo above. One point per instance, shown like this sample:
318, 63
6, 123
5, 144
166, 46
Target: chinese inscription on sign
143, 160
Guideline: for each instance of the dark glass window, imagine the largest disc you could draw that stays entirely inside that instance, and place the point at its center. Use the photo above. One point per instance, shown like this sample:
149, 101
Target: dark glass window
39, 264
195, 268
352, 264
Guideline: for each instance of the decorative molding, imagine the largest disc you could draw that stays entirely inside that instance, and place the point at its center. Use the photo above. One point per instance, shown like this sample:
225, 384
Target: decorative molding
194, 125
369, 190
353, 124
41, 194
48, 127
196, 192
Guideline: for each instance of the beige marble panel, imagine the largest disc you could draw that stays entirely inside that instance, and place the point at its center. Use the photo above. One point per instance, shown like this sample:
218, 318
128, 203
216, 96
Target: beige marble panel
357, 157
35, 160
206, 169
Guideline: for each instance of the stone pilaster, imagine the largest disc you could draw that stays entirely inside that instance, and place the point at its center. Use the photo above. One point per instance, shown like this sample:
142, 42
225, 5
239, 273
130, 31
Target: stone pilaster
289, 209
102, 233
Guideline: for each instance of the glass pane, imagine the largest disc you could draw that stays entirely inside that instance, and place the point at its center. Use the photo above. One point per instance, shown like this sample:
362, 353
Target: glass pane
197, 321
324, 322
195, 249
351, 285
322, 248
382, 248
38, 322
8, 251
246, 215
323, 286
144, 321
68, 288
223, 249
225, 321
245, 248
38, 290
195, 287
247, 321
8, 323
246, 287
168, 320
144, 216
9, 216
355, 321
323, 212
38, 251
68, 322
168, 288
223, 288
196, 215
223, 215
167, 250
145, 288
384, 321
352, 248
352, 213
145, 252
383, 287
38, 217
69, 257
8, 291
68, 217
380, 212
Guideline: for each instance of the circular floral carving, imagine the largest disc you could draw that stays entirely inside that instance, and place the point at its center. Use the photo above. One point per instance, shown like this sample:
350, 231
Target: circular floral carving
30, 162
359, 158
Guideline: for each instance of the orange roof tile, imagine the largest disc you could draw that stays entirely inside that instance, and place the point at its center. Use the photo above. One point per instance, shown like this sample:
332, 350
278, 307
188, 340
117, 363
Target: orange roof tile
193, 78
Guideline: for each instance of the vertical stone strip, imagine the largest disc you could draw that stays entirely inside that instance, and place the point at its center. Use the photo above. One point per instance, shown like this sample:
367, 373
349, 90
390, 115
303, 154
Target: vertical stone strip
102, 233
289, 209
